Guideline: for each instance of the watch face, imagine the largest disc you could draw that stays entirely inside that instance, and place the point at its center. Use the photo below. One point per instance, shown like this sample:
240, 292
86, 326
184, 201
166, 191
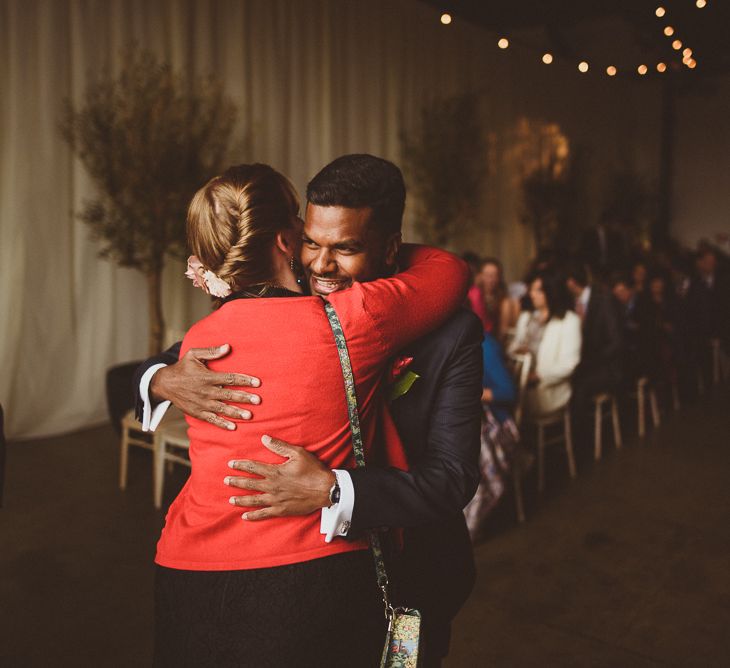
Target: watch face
335, 494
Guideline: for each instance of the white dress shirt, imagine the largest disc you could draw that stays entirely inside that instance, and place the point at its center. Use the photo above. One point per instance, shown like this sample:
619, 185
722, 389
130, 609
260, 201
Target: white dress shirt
335, 520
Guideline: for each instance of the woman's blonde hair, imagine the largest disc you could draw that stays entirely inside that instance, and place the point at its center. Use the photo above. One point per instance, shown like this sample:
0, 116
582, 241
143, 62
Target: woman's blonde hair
233, 221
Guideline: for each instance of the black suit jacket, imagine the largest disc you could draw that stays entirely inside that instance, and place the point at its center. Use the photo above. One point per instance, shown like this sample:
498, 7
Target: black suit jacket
600, 359
439, 420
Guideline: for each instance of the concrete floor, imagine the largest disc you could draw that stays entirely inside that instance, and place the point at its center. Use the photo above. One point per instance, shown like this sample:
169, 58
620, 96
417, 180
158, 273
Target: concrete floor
629, 565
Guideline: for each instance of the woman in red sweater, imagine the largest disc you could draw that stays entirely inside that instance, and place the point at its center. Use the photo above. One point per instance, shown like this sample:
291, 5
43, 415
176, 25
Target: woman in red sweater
230, 592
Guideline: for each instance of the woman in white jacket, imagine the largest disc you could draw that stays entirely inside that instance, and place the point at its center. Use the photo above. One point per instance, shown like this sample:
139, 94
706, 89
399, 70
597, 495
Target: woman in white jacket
552, 333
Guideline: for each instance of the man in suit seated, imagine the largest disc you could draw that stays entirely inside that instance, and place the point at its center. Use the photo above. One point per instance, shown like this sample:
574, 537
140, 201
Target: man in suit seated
438, 418
629, 320
599, 369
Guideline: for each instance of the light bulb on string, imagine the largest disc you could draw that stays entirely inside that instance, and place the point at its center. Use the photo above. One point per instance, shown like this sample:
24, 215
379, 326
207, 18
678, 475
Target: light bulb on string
503, 43
700, 4
611, 71
692, 64
687, 52
660, 11
445, 18
583, 66
661, 67
547, 58
669, 31
676, 45
642, 69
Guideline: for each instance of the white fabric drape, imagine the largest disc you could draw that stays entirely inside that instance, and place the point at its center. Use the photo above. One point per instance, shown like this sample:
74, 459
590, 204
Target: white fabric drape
312, 79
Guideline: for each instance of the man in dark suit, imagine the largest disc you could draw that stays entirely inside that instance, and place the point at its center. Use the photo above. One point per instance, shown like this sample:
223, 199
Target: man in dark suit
438, 418
600, 364
707, 312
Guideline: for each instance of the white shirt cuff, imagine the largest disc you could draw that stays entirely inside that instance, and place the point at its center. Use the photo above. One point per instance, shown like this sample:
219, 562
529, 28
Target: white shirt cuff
337, 518
151, 417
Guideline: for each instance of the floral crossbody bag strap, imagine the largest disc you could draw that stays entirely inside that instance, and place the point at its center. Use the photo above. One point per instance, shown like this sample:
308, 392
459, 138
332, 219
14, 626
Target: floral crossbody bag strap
404, 624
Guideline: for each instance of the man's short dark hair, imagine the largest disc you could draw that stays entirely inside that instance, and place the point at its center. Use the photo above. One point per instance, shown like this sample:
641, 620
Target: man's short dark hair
359, 181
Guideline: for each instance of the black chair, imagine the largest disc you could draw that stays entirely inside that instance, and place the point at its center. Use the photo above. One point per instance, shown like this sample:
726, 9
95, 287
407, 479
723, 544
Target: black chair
119, 392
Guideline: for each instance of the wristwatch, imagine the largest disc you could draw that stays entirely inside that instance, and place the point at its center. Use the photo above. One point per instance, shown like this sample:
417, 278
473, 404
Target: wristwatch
334, 496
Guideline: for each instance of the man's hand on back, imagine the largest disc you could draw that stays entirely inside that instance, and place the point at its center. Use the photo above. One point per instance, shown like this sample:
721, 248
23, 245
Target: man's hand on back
204, 394
298, 486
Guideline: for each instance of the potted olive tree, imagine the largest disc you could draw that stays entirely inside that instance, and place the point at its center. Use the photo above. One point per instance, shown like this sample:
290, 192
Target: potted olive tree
445, 161
148, 138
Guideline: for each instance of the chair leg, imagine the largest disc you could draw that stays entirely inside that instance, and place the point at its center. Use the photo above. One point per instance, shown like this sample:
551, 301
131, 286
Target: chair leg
616, 424
517, 484
569, 444
123, 459
642, 409
540, 458
715, 362
158, 473
598, 428
655, 417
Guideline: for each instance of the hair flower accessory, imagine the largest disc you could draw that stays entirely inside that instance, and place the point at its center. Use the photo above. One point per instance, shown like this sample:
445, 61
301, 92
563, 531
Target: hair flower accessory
205, 279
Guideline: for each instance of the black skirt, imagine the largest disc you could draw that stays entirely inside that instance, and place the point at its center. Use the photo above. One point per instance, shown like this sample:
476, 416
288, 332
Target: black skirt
314, 614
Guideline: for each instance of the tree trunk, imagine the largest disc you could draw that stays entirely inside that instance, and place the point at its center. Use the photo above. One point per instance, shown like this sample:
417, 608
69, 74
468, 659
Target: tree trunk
154, 304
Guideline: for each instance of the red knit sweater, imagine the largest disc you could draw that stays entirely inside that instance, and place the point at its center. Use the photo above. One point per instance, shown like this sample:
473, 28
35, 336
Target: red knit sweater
288, 343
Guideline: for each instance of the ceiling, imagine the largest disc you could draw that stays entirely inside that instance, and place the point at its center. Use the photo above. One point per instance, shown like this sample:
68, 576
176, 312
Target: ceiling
571, 29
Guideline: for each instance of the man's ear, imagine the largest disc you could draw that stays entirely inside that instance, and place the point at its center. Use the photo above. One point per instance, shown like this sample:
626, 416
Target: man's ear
392, 246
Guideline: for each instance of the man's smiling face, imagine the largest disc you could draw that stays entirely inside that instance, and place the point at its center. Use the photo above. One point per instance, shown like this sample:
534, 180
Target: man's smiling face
340, 246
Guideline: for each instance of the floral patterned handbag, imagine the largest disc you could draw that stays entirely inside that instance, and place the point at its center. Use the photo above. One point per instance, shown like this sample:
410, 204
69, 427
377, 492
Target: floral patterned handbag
402, 639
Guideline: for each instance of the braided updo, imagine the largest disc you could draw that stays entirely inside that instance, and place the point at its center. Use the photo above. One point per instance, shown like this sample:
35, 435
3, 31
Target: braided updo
233, 221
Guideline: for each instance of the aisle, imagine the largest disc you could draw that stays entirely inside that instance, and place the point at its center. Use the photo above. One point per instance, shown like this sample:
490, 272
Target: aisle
627, 566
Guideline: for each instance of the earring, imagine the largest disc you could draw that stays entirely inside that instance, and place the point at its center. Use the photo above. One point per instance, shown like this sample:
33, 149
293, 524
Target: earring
296, 270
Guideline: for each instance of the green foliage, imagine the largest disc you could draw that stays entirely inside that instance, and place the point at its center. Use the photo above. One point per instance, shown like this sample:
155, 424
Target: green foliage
149, 138
552, 197
630, 200
445, 162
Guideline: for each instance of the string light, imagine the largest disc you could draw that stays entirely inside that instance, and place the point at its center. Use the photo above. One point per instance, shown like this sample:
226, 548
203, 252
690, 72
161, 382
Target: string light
642, 69
669, 31
503, 43
687, 52
692, 64
661, 67
700, 3
676, 45
547, 58
611, 71
583, 66
660, 11
445, 18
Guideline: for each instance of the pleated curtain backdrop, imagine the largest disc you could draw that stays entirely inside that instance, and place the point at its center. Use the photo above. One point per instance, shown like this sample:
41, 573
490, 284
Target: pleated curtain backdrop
312, 79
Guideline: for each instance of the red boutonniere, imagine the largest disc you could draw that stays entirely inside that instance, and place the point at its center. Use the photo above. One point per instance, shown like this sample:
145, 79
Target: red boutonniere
400, 379
400, 364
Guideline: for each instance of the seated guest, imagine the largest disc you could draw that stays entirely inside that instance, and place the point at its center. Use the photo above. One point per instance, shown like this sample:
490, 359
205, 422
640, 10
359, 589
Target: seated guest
658, 332
639, 272
603, 246
501, 309
499, 440
624, 293
600, 359
499, 388
707, 310
552, 334
475, 296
